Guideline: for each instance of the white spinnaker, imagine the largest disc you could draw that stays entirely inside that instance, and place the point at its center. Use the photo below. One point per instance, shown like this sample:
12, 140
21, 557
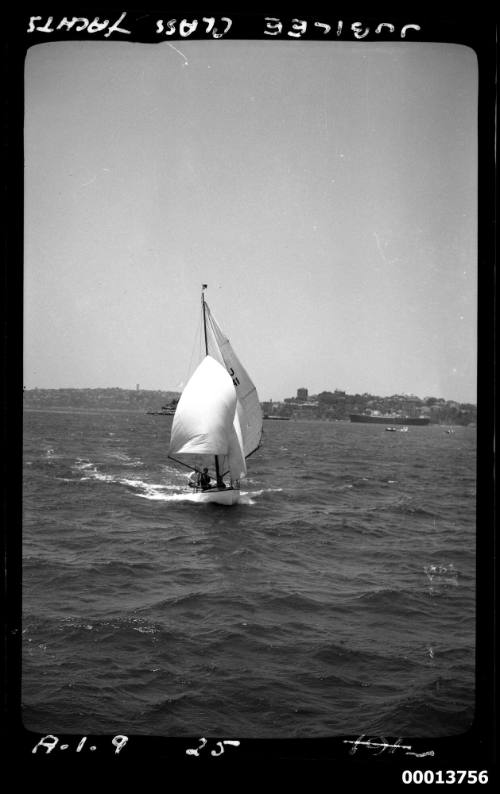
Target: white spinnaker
248, 406
203, 423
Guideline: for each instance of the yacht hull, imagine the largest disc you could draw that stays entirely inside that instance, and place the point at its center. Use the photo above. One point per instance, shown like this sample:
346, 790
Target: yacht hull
222, 496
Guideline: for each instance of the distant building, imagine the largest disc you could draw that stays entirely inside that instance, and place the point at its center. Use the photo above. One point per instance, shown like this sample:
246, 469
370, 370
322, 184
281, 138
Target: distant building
302, 394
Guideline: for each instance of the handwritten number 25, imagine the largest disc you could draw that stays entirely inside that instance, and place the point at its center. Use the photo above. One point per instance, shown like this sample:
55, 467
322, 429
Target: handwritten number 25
196, 750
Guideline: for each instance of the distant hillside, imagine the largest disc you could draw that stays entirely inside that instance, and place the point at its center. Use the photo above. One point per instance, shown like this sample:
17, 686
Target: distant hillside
140, 400
325, 406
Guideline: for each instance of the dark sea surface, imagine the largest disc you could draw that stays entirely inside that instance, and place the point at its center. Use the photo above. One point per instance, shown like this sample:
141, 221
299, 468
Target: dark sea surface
338, 596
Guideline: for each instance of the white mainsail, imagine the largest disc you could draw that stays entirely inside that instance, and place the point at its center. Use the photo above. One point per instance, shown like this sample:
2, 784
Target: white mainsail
248, 405
236, 457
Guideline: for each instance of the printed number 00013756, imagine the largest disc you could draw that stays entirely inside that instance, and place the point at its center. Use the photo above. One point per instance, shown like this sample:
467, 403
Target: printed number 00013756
430, 776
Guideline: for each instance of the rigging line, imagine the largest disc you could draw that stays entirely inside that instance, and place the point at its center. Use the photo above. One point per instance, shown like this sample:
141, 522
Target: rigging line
253, 450
208, 321
196, 342
186, 465
216, 336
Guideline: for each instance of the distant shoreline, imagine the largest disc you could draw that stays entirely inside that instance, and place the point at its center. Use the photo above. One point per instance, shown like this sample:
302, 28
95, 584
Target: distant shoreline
326, 406
71, 410
139, 412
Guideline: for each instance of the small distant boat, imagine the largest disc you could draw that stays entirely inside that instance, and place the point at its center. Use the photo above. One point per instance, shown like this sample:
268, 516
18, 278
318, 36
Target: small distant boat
166, 410
450, 431
403, 429
281, 418
218, 419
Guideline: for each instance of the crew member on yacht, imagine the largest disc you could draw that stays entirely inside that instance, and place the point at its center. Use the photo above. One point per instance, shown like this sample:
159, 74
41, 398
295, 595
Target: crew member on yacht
205, 480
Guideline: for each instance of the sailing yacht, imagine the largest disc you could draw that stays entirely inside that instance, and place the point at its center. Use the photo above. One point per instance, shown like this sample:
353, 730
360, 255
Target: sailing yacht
218, 420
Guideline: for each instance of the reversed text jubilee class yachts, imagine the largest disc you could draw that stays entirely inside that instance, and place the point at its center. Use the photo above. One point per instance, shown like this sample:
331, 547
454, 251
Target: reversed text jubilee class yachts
219, 27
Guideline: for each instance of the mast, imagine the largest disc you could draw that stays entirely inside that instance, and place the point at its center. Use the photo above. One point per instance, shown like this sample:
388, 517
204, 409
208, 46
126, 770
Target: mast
203, 288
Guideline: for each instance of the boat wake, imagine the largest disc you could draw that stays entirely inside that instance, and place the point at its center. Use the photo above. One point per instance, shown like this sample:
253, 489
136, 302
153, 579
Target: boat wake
148, 490
124, 460
156, 492
90, 472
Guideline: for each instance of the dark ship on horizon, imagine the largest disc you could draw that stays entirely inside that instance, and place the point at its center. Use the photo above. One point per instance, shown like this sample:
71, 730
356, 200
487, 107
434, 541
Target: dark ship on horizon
391, 419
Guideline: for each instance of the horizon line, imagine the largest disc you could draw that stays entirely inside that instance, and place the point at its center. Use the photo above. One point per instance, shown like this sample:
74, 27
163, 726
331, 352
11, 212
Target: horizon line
177, 391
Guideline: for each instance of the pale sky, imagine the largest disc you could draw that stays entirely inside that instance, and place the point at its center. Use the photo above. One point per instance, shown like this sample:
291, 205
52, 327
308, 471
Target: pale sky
325, 192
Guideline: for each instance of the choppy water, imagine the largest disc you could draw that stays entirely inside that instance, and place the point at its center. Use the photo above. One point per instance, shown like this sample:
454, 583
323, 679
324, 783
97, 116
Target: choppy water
337, 597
